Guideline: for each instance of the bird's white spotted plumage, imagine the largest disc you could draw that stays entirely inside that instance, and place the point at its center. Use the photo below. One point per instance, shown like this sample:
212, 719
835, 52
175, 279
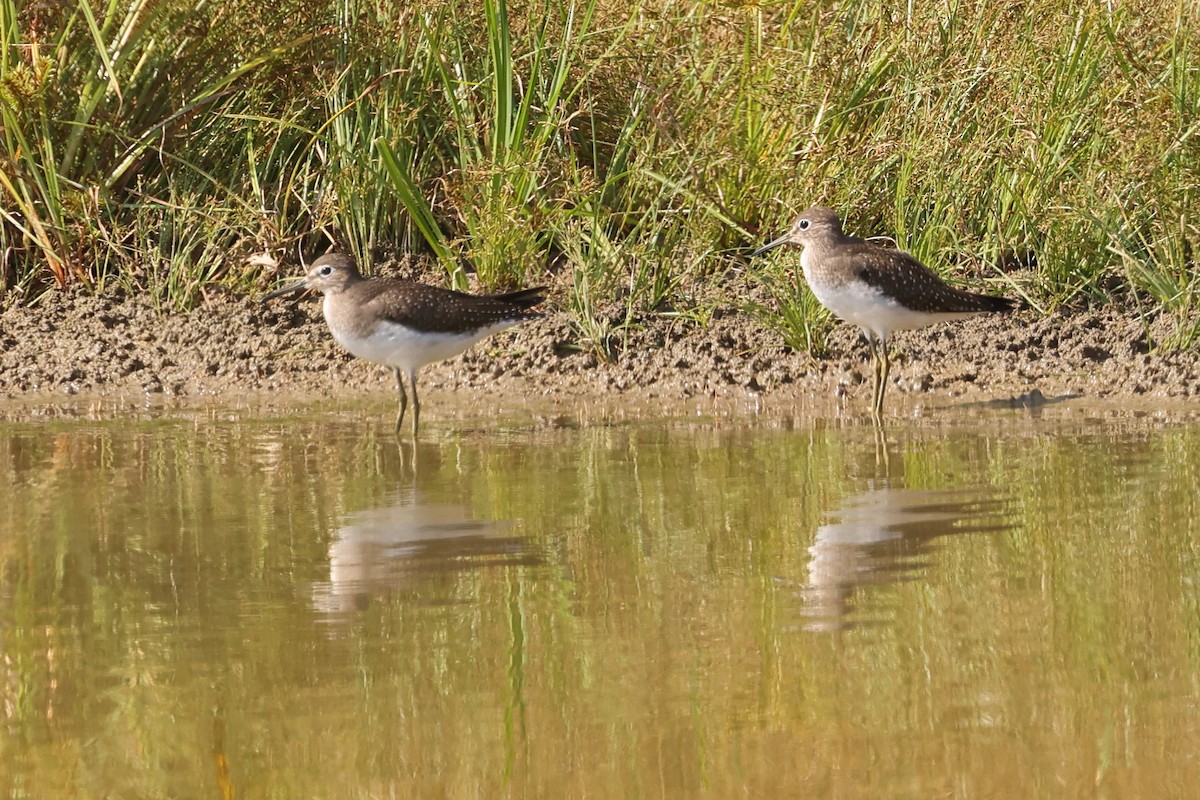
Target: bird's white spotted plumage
879, 289
405, 325
393, 344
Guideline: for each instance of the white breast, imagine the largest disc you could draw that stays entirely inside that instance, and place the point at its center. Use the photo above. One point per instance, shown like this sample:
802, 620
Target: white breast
872, 310
400, 346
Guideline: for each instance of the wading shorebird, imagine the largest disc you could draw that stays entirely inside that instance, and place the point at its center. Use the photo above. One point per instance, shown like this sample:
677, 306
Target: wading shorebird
879, 289
406, 325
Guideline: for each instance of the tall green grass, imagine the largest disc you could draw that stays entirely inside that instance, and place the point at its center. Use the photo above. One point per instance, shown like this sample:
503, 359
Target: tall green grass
638, 149
106, 112
505, 146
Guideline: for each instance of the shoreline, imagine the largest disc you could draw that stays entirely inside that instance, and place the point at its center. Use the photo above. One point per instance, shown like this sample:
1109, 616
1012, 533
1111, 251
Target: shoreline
114, 345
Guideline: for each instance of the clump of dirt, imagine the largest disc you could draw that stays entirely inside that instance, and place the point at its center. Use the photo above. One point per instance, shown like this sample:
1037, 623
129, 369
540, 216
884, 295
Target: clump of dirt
72, 342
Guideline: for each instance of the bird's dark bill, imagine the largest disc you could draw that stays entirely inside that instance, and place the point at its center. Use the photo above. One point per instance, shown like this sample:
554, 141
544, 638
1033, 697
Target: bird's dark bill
782, 240
294, 286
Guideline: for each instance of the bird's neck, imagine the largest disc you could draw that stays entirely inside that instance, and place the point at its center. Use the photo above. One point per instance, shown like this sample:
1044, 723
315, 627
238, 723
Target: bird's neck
348, 282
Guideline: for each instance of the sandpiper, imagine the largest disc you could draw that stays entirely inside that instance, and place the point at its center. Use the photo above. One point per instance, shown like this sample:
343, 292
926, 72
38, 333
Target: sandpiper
406, 325
879, 289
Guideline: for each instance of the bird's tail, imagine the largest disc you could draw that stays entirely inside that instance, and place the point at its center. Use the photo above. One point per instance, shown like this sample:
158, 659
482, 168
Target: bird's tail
988, 302
525, 298
972, 303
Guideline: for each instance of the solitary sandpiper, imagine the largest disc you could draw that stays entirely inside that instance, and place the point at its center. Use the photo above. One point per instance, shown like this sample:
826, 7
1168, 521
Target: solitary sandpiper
879, 289
406, 325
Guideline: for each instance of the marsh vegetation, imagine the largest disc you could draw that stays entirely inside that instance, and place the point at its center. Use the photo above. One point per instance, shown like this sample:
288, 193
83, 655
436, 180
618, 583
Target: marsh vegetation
633, 151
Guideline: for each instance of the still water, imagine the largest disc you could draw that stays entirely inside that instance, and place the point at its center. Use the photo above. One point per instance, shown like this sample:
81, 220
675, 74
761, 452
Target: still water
971, 603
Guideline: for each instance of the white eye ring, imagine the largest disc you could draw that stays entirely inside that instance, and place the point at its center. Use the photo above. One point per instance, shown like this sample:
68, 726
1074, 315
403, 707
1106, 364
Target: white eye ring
802, 224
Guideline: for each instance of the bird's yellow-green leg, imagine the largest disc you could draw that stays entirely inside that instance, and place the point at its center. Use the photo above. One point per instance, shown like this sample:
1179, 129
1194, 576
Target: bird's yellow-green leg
885, 367
412, 378
403, 399
873, 349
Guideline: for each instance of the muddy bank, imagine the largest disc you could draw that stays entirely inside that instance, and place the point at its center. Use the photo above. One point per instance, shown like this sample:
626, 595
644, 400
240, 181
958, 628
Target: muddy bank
71, 343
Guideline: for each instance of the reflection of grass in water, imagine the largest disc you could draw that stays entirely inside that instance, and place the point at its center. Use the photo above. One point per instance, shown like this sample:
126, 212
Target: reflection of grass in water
164, 144
667, 613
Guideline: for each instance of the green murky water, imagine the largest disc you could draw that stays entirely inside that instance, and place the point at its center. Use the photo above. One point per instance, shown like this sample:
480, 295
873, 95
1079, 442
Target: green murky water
978, 604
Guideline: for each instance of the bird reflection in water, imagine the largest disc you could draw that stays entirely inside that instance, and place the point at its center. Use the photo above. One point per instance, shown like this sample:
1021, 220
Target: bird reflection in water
403, 548
885, 536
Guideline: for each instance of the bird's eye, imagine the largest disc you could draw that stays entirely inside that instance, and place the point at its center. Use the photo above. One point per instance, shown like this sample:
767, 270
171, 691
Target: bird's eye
326, 270
802, 224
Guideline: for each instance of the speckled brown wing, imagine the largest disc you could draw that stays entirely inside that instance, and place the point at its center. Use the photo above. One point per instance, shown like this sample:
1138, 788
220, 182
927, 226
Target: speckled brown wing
900, 275
436, 310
